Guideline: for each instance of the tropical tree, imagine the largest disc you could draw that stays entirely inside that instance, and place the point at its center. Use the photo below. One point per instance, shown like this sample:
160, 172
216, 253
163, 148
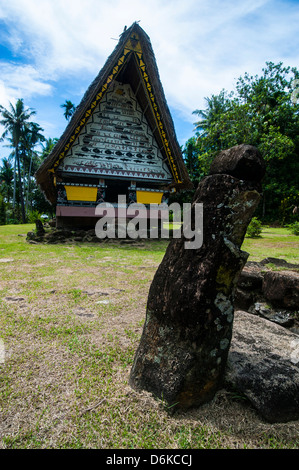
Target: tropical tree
6, 179
261, 112
37, 198
15, 121
2, 211
47, 147
30, 137
69, 109
192, 161
216, 106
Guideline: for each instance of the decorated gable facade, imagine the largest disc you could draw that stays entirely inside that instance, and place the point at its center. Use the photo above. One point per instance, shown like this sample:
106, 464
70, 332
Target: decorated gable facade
120, 140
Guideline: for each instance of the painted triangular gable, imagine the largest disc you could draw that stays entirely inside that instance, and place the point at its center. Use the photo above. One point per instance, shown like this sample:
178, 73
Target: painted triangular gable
117, 140
131, 47
131, 63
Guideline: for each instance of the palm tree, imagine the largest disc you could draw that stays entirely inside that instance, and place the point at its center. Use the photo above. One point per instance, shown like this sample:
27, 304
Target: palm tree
216, 105
15, 121
47, 148
69, 109
6, 178
30, 137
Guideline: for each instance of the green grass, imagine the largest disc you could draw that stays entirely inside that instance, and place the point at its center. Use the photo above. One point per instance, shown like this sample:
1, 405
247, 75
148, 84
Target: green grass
71, 316
274, 243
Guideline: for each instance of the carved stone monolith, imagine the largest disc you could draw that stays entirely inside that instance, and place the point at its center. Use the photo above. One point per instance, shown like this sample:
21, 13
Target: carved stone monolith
184, 346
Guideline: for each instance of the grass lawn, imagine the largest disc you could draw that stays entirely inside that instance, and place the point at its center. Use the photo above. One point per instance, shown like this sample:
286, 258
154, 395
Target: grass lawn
274, 243
71, 316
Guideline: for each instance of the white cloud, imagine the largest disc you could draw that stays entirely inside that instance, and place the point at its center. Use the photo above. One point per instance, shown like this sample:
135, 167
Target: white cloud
20, 81
201, 46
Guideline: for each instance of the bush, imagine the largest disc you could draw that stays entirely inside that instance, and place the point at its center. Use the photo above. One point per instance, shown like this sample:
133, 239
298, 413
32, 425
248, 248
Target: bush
33, 216
254, 229
294, 228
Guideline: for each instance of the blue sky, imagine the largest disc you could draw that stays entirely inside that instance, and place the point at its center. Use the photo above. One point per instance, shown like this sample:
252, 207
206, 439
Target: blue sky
51, 50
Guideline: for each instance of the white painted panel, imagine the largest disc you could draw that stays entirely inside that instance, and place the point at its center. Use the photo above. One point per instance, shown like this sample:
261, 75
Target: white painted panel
117, 141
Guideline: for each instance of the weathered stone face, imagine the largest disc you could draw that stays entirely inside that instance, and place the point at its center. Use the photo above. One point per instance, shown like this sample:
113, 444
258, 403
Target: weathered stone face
184, 346
241, 161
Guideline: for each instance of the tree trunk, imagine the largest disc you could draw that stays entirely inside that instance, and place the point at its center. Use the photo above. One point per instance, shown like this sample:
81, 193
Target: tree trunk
28, 184
14, 182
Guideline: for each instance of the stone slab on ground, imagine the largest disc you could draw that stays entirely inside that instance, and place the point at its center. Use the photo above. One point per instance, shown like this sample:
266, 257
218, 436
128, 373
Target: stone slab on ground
282, 289
263, 364
271, 294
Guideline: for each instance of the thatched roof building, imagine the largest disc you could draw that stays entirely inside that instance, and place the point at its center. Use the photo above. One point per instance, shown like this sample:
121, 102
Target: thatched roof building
126, 105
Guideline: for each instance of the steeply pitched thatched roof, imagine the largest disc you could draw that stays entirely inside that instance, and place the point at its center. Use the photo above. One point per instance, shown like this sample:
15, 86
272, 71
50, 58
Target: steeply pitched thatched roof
132, 61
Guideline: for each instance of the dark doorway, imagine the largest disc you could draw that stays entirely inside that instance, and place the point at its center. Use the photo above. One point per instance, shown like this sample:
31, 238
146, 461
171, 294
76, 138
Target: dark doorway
116, 188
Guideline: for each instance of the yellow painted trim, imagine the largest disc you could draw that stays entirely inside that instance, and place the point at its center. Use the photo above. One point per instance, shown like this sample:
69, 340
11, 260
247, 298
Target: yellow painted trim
133, 44
81, 193
148, 87
149, 197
